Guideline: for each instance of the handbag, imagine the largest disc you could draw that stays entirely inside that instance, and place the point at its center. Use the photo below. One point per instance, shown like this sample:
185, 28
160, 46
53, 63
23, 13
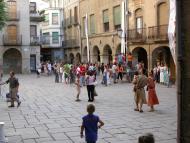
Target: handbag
95, 93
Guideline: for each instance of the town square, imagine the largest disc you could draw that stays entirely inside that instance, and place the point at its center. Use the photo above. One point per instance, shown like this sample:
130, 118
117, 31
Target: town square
94, 71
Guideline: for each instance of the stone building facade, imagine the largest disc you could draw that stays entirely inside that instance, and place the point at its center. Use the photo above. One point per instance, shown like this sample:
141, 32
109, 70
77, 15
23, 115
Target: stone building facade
19, 44
52, 34
147, 29
72, 31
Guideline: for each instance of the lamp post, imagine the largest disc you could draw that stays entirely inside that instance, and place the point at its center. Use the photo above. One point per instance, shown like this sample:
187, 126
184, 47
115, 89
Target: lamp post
121, 34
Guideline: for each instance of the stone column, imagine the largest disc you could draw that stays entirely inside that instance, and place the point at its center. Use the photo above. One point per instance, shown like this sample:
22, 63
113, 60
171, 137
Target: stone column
183, 72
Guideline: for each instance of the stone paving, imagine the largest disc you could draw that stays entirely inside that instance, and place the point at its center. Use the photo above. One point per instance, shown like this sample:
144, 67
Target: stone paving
49, 113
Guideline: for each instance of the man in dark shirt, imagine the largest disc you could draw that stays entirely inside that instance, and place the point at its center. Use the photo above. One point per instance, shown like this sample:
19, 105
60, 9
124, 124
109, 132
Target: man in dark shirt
13, 88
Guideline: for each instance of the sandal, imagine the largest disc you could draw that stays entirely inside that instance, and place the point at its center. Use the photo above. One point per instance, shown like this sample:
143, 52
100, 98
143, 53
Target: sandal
141, 111
136, 109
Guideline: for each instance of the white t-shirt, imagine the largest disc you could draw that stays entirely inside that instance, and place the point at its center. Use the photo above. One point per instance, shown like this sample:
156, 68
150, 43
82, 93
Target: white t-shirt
114, 68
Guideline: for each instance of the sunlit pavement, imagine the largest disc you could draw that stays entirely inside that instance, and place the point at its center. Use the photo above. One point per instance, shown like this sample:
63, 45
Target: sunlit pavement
50, 114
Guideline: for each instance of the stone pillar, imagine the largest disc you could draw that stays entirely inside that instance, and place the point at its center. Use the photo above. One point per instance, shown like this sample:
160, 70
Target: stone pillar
183, 72
25, 59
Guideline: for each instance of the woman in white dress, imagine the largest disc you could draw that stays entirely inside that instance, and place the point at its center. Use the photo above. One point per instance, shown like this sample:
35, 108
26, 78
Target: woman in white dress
162, 74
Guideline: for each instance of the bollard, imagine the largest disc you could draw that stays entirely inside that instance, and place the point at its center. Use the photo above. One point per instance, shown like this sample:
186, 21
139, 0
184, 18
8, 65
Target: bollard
2, 134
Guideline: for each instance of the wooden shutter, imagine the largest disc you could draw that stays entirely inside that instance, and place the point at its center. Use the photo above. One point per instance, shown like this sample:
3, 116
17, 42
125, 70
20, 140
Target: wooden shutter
117, 15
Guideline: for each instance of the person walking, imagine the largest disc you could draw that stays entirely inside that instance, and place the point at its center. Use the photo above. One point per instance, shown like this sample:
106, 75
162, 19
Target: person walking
140, 92
91, 123
135, 78
13, 89
90, 79
114, 72
77, 83
120, 72
152, 97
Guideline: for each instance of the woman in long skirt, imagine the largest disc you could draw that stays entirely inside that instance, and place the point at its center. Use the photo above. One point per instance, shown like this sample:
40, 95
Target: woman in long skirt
152, 97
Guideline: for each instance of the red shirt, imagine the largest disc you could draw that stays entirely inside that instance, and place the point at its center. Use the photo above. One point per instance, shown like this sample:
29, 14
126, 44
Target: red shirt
82, 70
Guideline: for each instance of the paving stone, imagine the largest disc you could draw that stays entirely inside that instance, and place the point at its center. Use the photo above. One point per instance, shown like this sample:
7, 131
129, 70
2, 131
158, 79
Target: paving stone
49, 113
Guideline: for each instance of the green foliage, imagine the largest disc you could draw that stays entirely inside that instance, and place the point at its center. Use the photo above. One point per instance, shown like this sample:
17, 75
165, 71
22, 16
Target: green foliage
3, 14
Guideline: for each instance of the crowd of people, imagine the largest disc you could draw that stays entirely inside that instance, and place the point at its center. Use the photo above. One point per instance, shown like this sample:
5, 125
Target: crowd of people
86, 75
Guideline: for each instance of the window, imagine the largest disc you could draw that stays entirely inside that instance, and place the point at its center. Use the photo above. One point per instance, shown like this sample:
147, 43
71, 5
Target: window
33, 30
46, 22
83, 25
55, 37
117, 17
12, 9
55, 18
46, 38
139, 20
32, 7
139, 24
75, 15
92, 24
106, 20
70, 17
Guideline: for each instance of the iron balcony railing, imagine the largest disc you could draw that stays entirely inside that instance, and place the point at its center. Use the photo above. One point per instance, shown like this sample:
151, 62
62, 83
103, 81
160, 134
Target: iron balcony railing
12, 40
13, 16
35, 16
136, 35
158, 32
45, 40
51, 41
34, 40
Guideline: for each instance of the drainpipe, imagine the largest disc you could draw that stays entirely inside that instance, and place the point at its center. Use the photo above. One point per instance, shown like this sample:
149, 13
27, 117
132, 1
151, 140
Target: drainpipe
79, 30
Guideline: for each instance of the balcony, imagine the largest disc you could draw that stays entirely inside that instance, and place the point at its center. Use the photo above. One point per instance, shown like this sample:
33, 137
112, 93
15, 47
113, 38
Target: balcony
12, 40
71, 43
45, 40
13, 16
36, 17
34, 40
137, 35
158, 33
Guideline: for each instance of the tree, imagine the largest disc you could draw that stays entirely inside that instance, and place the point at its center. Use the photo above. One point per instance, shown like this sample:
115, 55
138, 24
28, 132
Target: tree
3, 14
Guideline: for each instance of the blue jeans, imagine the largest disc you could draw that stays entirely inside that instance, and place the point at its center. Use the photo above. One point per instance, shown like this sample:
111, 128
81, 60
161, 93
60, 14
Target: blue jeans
82, 80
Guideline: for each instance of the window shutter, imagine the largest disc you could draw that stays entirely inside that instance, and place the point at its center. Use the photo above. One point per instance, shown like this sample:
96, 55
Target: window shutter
92, 24
117, 15
105, 16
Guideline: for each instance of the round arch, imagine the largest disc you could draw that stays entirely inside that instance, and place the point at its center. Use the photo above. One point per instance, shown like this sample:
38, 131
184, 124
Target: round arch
96, 54
107, 54
65, 57
163, 55
118, 49
140, 55
78, 58
12, 60
71, 58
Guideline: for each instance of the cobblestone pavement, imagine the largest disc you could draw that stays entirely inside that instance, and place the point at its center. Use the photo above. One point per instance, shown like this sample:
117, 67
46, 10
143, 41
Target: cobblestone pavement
49, 113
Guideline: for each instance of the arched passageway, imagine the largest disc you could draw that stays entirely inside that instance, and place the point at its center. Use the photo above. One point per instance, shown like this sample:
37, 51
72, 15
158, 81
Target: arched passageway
65, 58
12, 60
140, 55
78, 58
118, 50
107, 55
95, 54
71, 58
162, 55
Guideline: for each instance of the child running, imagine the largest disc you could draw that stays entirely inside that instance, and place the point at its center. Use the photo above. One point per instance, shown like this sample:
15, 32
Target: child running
90, 125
